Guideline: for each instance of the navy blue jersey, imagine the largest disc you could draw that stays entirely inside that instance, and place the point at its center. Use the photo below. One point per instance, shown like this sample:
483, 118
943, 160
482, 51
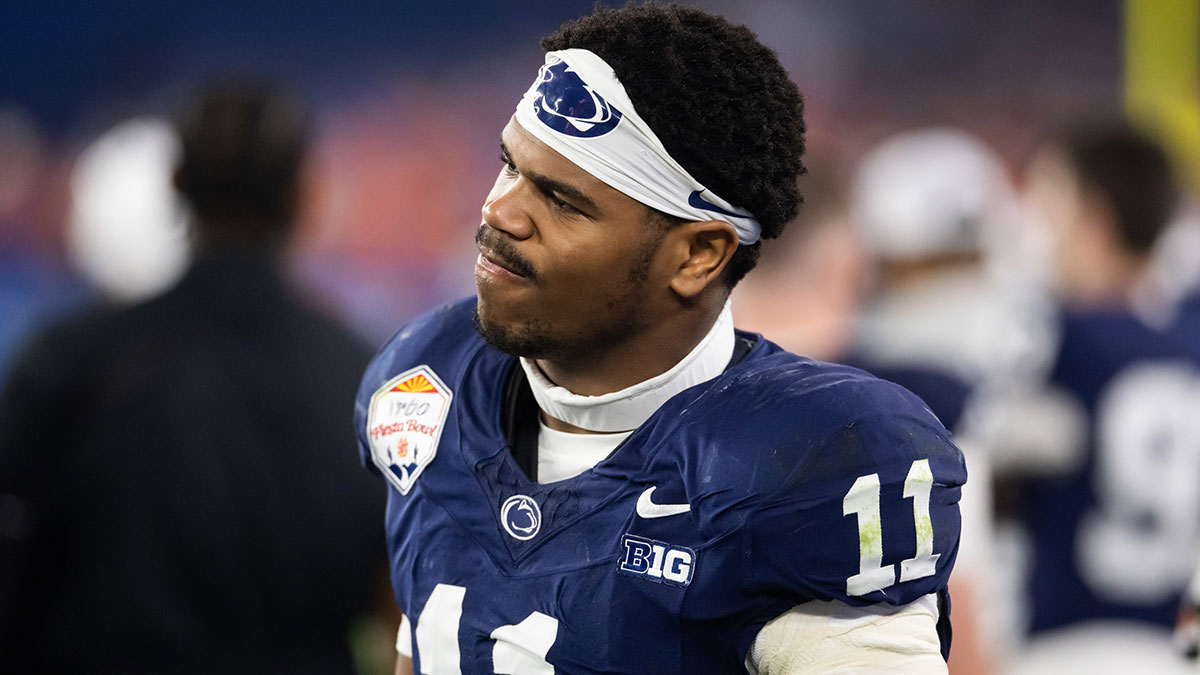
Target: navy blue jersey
1118, 537
781, 481
944, 393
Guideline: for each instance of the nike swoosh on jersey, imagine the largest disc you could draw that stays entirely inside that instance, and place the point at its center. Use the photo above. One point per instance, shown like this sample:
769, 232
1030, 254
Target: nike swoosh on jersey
646, 508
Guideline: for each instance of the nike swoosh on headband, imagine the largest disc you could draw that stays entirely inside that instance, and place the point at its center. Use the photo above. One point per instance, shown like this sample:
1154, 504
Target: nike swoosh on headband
695, 200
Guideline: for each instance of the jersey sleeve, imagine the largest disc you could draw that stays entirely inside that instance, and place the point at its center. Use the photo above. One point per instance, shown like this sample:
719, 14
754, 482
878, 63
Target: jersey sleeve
830, 637
434, 337
868, 515
361, 404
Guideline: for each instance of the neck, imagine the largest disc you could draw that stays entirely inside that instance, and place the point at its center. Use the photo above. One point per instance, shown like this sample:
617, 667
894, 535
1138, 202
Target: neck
627, 407
1109, 282
636, 358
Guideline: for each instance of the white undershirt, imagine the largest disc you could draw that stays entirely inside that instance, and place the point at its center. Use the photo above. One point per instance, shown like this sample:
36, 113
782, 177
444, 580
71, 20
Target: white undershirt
563, 455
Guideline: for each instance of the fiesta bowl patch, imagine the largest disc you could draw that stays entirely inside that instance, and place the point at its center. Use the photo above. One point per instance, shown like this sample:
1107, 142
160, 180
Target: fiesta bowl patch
404, 424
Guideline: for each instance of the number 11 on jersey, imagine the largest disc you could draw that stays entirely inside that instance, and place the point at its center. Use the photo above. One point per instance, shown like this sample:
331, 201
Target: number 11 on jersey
863, 500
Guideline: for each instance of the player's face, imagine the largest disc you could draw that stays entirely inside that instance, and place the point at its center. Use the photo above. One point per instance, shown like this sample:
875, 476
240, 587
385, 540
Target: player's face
566, 262
1054, 198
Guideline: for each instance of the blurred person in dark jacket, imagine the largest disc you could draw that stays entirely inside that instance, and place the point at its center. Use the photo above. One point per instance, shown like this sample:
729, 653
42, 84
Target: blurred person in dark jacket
175, 489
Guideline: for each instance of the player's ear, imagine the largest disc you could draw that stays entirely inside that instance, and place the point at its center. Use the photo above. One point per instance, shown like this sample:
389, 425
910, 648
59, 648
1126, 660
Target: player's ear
700, 249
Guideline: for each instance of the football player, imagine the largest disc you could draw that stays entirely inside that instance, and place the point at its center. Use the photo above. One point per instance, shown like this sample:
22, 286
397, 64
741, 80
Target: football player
1113, 526
591, 469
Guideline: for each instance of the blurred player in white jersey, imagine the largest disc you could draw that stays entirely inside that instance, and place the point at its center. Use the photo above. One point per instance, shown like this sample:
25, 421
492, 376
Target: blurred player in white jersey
935, 210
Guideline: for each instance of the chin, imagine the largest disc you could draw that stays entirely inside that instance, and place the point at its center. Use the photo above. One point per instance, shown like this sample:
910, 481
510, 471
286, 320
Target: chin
528, 338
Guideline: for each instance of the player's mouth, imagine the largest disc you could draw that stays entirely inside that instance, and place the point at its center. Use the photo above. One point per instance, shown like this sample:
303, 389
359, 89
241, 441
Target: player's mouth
494, 265
498, 259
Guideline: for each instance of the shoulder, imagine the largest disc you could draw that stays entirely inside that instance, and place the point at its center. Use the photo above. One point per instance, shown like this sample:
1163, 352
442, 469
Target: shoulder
946, 394
817, 463
431, 352
811, 424
1077, 324
1097, 344
439, 339
63, 348
1188, 310
59, 365
1118, 330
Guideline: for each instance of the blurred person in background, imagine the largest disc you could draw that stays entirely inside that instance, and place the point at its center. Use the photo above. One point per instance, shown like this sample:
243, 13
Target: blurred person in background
808, 285
175, 490
934, 210
1113, 518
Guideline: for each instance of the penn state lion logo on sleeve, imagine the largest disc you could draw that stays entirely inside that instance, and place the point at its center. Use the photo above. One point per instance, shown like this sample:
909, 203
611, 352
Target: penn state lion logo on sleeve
404, 424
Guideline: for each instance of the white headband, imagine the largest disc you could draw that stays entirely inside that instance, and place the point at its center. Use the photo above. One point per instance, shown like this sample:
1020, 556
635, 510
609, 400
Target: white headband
579, 108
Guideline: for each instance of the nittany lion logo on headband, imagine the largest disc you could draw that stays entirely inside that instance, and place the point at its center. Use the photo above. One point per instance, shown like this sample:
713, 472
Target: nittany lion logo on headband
566, 104
578, 107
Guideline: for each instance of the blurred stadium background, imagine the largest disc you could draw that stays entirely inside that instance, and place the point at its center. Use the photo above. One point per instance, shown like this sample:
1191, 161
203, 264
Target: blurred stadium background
410, 97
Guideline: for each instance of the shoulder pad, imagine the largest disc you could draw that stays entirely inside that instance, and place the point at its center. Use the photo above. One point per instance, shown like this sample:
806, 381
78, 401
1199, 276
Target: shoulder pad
441, 339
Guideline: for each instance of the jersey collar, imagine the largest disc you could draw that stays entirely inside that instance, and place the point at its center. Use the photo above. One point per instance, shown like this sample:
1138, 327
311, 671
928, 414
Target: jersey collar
628, 408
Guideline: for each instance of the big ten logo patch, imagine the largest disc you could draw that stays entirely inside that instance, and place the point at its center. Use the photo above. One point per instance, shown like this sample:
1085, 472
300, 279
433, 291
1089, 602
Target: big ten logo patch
404, 424
657, 561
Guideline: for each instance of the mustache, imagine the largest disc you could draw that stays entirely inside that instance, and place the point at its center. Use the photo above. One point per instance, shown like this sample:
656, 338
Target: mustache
501, 247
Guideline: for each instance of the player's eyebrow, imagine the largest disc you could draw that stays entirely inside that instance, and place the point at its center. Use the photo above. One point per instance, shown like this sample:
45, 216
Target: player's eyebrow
551, 186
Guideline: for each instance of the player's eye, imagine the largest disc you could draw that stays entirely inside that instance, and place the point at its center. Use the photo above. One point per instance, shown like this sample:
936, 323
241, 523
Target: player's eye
561, 206
510, 169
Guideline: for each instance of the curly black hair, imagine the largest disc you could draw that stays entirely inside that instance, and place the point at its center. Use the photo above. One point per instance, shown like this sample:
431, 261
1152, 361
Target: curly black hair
717, 98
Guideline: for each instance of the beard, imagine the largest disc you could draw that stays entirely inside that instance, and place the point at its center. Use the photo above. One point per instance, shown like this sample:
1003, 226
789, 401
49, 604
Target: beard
532, 339
541, 338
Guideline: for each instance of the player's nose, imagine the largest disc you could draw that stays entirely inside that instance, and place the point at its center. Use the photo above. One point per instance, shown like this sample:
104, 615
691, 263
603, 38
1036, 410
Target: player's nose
506, 208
